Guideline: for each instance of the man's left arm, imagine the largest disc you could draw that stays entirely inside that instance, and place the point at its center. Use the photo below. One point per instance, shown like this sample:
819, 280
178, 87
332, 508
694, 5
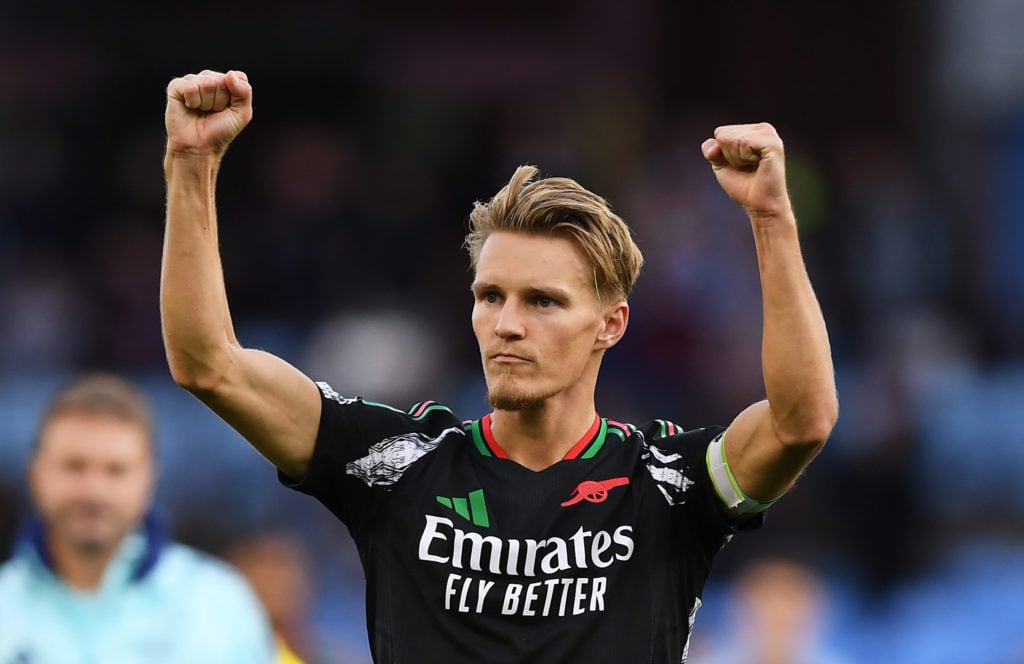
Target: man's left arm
768, 444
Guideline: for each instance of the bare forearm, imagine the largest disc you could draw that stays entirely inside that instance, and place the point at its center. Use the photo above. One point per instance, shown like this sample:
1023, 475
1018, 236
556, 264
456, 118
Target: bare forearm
271, 403
196, 321
796, 357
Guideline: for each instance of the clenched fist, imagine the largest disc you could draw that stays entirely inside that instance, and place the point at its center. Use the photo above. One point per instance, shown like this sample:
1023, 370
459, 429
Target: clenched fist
749, 162
205, 111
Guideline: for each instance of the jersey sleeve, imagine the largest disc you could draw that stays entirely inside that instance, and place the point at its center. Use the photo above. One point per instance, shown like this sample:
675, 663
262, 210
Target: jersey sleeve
363, 449
677, 461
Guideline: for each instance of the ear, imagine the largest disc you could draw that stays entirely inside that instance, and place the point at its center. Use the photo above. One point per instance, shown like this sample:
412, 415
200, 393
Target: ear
616, 318
154, 478
32, 473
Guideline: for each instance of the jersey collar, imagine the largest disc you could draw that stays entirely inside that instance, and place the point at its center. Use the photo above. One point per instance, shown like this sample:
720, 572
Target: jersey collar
585, 448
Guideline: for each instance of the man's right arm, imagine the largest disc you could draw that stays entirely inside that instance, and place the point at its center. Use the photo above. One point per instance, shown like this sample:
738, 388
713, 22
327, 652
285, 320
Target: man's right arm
271, 403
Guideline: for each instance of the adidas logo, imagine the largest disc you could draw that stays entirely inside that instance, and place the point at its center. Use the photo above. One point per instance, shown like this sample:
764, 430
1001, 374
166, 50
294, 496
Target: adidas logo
472, 508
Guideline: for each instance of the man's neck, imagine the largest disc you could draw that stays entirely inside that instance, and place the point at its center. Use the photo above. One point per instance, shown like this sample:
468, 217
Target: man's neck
82, 570
540, 436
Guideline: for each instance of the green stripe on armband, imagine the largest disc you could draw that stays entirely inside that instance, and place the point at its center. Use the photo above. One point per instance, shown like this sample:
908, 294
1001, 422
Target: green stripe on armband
725, 482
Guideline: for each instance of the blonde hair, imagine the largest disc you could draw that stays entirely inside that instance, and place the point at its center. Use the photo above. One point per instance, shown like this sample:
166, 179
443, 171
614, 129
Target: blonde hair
561, 207
102, 394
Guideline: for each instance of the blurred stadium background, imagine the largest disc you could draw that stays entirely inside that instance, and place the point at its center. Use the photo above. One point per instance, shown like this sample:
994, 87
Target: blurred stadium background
344, 204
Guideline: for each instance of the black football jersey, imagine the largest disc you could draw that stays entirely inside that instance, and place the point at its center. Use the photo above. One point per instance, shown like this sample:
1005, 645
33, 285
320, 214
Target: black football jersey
471, 557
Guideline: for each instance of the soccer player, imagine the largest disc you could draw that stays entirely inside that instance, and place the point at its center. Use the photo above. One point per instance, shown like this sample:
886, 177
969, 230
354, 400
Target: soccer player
94, 578
542, 532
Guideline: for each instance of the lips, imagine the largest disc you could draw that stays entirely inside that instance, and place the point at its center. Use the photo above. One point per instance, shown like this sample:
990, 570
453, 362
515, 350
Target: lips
89, 513
510, 358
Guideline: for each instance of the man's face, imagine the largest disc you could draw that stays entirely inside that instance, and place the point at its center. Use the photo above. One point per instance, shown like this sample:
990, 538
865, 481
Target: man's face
91, 479
537, 319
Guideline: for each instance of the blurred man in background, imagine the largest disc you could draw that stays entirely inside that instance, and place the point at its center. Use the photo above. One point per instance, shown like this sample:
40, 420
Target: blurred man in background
94, 578
541, 532
778, 607
276, 565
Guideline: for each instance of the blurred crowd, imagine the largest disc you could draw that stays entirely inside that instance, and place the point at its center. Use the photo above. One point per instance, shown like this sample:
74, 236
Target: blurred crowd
343, 208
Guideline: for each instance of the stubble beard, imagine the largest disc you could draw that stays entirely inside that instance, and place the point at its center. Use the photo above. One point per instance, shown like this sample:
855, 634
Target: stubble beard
90, 541
506, 396
508, 400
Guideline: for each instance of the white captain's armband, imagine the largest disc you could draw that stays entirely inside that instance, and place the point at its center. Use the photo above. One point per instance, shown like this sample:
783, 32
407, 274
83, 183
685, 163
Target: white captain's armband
725, 484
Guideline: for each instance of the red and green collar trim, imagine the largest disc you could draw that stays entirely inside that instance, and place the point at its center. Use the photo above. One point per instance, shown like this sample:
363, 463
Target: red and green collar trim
585, 448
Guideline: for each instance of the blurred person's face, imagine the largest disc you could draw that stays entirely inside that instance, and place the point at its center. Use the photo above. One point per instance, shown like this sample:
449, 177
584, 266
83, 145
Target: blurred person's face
91, 480
537, 318
278, 572
781, 603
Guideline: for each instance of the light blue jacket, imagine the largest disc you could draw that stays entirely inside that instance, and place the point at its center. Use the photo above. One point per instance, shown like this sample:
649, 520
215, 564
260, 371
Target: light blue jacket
158, 603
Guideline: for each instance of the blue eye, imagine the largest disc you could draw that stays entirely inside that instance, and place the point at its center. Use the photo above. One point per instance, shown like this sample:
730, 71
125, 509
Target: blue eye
490, 298
545, 302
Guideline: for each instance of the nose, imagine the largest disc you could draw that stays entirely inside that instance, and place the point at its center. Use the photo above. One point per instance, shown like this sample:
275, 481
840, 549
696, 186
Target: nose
510, 321
94, 484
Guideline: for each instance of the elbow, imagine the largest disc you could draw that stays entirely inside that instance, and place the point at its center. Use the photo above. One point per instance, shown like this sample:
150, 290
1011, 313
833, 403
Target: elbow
199, 377
811, 430
196, 382
814, 435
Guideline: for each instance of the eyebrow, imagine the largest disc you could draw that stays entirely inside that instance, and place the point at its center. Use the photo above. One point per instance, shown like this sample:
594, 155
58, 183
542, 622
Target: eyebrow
531, 291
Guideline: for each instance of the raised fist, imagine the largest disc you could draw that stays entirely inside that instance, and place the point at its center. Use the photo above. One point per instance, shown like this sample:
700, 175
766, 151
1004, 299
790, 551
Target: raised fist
205, 111
749, 162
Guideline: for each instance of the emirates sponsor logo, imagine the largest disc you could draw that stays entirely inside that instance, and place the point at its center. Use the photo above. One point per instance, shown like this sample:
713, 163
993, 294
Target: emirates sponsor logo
444, 543
496, 576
